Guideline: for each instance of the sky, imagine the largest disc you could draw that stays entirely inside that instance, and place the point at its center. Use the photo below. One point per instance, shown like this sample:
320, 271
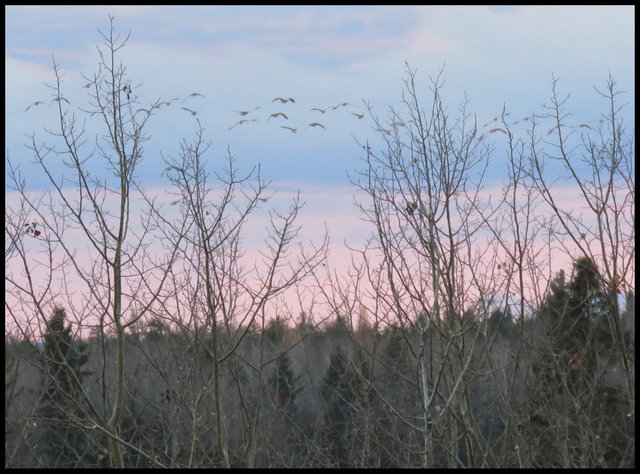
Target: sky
243, 57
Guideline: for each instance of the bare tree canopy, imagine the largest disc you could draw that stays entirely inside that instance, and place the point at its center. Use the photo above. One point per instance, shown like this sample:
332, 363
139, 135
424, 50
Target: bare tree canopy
482, 324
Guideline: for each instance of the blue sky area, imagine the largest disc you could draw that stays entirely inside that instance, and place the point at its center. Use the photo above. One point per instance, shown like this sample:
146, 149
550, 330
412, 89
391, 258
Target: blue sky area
243, 57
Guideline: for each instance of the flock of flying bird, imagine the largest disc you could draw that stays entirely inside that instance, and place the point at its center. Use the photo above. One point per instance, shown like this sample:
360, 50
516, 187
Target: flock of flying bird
247, 118
284, 116
527, 118
245, 114
278, 114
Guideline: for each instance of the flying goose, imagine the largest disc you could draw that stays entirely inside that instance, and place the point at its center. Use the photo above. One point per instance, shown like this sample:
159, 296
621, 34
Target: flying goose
37, 102
343, 104
283, 100
494, 119
293, 130
195, 94
360, 116
322, 111
316, 124
241, 122
277, 114
58, 99
193, 112
558, 126
245, 112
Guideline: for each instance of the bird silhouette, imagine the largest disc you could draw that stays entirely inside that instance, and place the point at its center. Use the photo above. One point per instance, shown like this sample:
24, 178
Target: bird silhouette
283, 100
37, 102
277, 114
360, 116
58, 99
343, 104
245, 112
316, 124
493, 130
494, 119
86, 86
558, 126
127, 90
241, 122
193, 112
195, 94
293, 130
322, 111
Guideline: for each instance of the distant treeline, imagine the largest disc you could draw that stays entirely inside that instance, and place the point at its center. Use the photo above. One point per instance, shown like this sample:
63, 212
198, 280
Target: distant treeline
544, 392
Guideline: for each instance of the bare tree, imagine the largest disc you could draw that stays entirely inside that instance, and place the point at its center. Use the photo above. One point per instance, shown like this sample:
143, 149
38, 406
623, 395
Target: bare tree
94, 263
226, 297
600, 167
422, 185
589, 336
449, 263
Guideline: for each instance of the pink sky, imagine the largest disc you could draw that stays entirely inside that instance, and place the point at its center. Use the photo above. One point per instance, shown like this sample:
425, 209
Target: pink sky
324, 206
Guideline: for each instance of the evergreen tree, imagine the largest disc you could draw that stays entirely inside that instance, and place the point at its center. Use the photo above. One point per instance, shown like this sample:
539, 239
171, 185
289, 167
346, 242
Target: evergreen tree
283, 383
339, 330
395, 352
345, 396
569, 402
397, 369
285, 440
61, 442
275, 331
586, 326
575, 316
501, 322
394, 383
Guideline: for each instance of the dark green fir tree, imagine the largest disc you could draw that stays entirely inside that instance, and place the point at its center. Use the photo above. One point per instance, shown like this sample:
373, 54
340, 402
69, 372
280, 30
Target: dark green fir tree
284, 384
569, 397
61, 442
575, 317
345, 396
